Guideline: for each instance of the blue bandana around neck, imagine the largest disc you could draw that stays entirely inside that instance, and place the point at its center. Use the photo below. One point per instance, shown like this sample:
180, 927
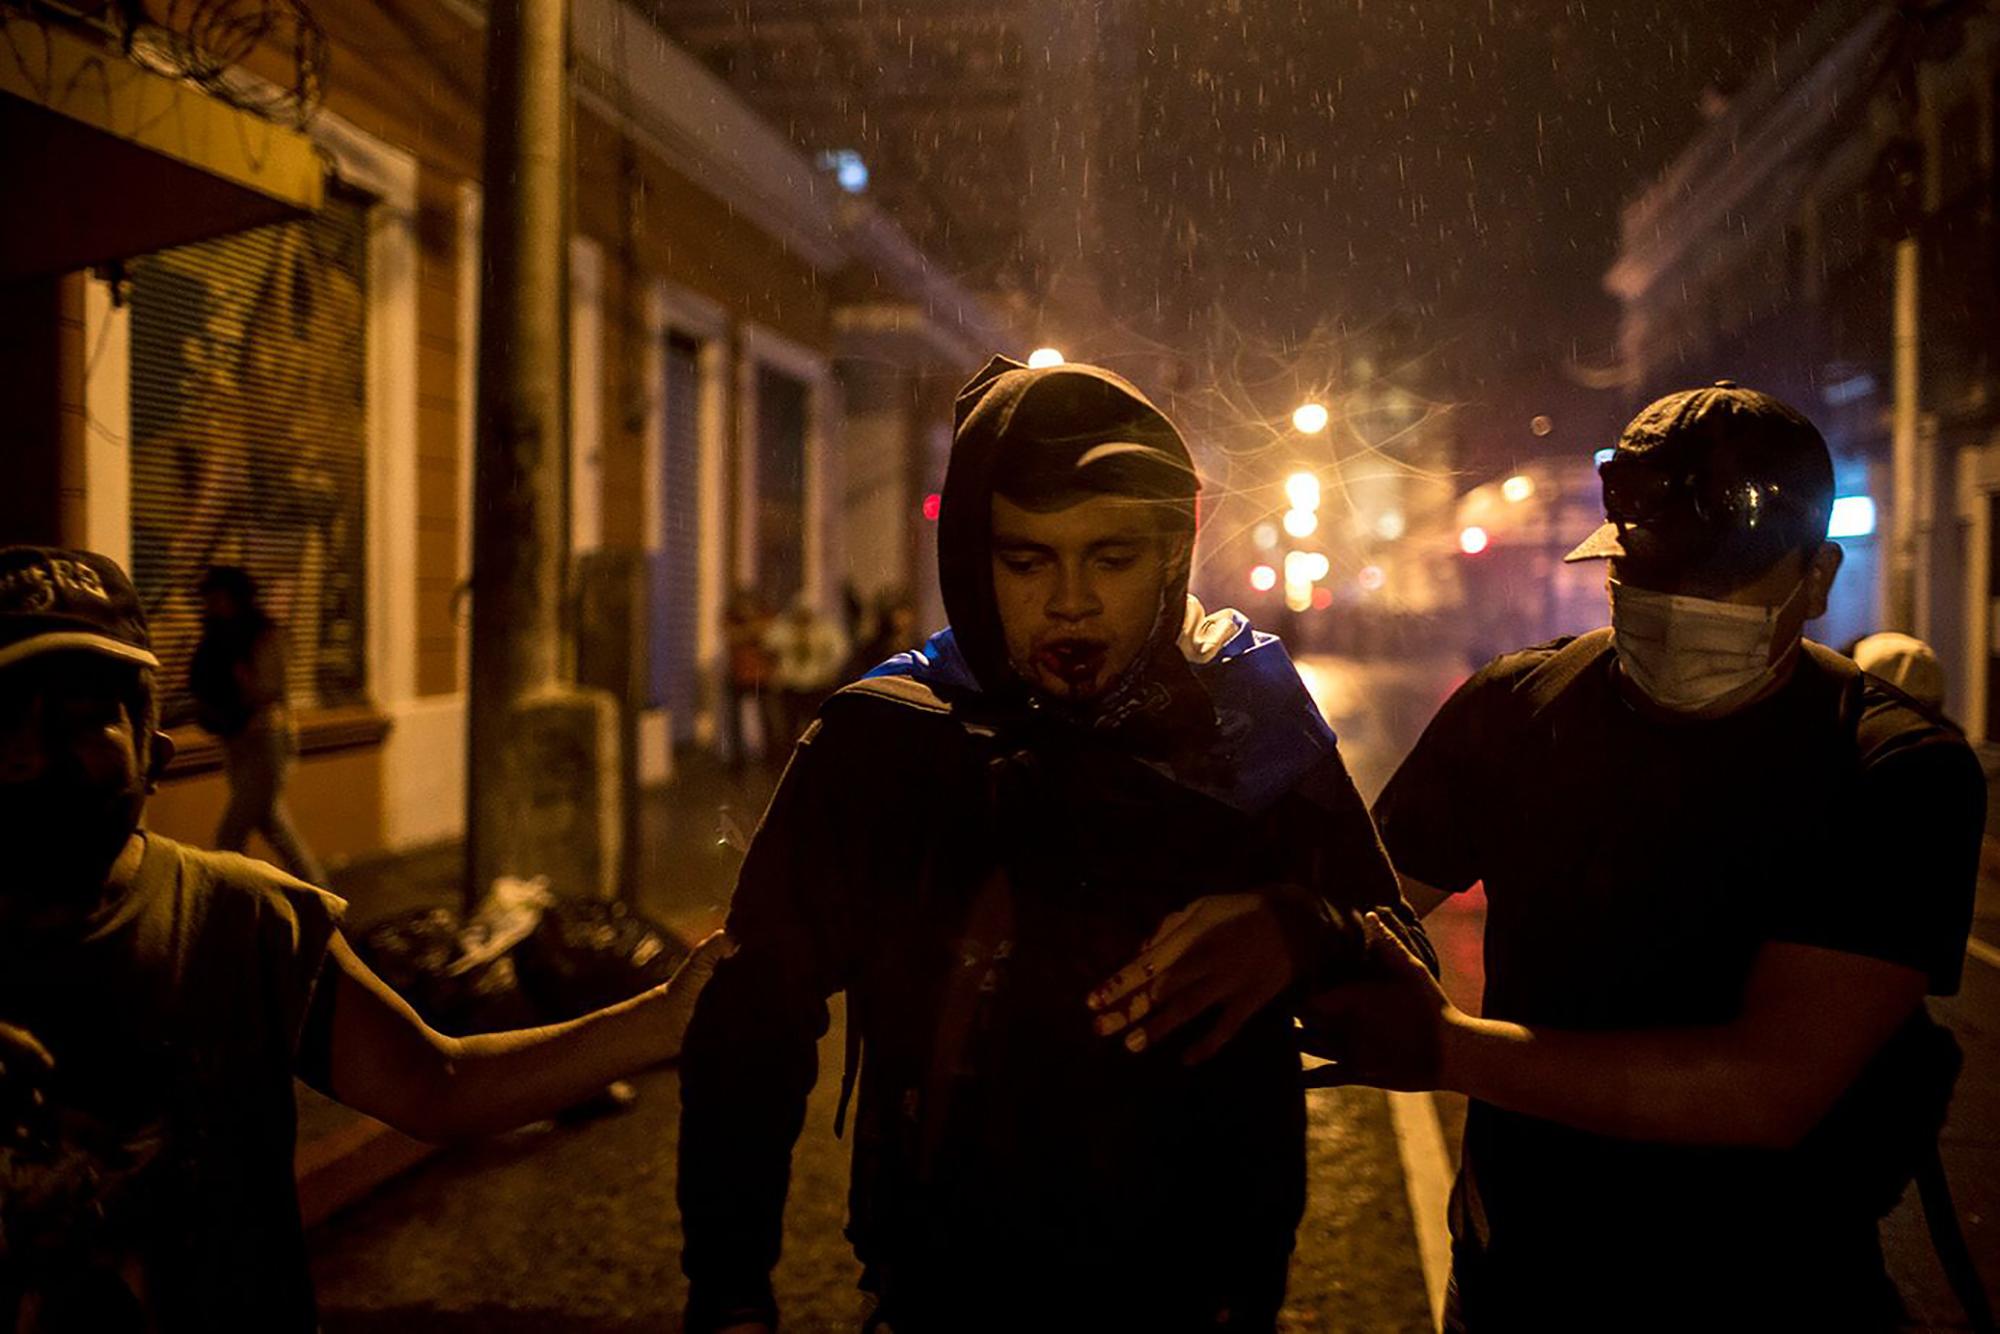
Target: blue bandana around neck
1270, 733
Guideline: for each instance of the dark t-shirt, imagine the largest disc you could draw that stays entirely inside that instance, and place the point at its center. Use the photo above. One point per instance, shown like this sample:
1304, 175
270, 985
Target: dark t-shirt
173, 1015
1633, 868
238, 672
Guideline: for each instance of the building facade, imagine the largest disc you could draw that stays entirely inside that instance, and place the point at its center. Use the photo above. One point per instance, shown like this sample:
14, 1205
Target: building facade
298, 398
1829, 238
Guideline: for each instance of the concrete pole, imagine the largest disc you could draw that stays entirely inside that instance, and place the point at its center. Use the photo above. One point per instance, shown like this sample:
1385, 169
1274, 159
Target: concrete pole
520, 512
43, 362
1902, 613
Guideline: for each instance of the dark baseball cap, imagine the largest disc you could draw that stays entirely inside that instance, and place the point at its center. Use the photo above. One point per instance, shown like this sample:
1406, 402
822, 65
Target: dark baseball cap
52, 600
1723, 481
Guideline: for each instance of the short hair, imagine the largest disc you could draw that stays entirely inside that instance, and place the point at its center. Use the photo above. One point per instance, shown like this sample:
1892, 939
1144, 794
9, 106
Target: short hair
237, 582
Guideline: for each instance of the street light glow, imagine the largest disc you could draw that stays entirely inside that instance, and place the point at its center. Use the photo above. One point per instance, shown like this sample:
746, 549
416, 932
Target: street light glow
1390, 525
1517, 488
1309, 418
1371, 577
1266, 536
1472, 540
1043, 357
1306, 567
1301, 523
1263, 578
1302, 490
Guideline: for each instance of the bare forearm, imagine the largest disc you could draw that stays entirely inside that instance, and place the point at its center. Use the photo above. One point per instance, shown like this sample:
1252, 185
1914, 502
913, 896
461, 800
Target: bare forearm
1687, 1086
386, 1061
496, 1081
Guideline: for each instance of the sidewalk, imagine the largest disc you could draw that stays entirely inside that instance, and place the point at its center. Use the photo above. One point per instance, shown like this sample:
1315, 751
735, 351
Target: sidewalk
686, 875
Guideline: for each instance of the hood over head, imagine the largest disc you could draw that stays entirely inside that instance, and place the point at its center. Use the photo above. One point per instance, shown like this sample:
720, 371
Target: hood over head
1046, 439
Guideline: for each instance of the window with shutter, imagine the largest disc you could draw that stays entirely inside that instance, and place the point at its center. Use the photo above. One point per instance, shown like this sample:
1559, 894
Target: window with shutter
249, 439
676, 586
781, 487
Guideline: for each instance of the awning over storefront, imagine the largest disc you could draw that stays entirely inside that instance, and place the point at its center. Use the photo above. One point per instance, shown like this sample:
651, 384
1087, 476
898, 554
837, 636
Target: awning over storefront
101, 159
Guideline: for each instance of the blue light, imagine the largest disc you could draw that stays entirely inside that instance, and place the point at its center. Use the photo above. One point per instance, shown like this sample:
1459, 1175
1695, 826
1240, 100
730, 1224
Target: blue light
1846, 391
847, 167
1602, 456
1853, 516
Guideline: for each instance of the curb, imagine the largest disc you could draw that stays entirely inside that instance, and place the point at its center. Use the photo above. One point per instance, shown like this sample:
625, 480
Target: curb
347, 1163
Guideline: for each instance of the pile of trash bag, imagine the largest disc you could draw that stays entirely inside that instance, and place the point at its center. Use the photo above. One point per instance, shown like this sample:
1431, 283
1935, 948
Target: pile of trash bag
526, 956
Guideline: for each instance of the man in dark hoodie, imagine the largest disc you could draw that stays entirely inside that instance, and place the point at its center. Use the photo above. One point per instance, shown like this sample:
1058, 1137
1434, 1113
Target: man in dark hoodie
1073, 864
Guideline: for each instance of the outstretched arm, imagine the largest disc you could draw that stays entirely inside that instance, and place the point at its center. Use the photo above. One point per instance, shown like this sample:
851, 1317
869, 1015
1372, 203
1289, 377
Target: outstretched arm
382, 1059
1841, 971
1811, 1020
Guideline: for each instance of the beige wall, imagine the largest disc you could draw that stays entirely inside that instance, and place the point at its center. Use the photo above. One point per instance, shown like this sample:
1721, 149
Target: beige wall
409, 76
439, 415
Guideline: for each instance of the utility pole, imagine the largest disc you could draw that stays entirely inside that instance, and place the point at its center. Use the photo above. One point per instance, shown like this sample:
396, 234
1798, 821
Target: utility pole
536, 746
1904, 463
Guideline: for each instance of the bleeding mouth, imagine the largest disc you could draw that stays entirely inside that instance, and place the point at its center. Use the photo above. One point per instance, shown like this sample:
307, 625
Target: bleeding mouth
1075, 662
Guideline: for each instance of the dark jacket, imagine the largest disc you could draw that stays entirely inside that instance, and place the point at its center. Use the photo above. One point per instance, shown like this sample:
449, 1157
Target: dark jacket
238, 671
966, 866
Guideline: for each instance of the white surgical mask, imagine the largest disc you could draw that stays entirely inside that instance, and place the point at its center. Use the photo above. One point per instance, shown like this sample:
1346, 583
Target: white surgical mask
1696, 655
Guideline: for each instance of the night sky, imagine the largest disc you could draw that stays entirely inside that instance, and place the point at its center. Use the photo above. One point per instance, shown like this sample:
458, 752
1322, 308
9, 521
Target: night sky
1283, 180
1457, 165
1431, 156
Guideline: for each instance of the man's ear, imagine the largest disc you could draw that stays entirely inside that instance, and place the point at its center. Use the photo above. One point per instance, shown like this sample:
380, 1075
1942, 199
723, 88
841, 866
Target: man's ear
1821, 567
159, 754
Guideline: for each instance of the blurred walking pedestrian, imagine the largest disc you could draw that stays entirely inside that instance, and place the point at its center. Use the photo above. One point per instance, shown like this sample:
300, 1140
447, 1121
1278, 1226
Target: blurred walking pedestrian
747, 678
238, 679
890, 628
808, 653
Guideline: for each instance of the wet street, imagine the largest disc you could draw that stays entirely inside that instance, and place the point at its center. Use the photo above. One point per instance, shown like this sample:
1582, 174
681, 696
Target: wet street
572, 1228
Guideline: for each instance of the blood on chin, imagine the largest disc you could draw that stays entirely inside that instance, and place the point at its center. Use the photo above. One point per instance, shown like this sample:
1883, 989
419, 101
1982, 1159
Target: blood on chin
1075, 692
1072, 668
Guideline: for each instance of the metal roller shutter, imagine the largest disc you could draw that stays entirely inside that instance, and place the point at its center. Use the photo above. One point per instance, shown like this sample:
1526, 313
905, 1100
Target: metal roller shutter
781, 487
249, 438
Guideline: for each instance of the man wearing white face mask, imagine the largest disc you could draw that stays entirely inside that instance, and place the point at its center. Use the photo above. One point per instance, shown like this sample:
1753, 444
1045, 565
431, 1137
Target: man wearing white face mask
1723, 869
